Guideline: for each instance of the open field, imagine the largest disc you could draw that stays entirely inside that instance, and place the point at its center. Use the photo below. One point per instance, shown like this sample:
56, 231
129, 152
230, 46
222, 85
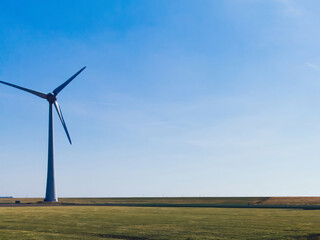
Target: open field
186, 200
133, 223
182, 201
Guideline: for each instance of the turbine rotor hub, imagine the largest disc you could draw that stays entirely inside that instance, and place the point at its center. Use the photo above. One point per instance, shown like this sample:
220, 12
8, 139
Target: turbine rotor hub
51, 97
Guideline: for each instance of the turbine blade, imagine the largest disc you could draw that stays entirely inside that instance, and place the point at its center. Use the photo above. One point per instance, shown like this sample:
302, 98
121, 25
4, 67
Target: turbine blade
62, 120
62, 86
39, 94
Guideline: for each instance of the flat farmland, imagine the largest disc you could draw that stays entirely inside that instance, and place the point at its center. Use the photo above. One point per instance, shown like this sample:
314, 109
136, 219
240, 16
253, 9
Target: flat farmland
133, 223
146, 200
177, 201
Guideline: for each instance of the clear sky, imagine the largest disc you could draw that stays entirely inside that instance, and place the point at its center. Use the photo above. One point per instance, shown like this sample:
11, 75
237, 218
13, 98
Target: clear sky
179, 98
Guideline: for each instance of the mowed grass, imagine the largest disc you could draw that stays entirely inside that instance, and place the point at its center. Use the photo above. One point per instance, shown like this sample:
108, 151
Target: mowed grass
145, 200
133, 223
175, 200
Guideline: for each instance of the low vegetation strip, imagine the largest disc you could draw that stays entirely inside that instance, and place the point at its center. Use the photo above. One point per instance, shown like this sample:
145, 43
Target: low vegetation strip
165, 200
250, 202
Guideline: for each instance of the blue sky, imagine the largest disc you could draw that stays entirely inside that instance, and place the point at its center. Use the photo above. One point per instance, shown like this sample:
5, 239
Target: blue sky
179, 98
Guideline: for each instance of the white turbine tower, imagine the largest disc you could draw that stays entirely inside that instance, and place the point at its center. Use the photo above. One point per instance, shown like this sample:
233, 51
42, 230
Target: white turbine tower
52, 99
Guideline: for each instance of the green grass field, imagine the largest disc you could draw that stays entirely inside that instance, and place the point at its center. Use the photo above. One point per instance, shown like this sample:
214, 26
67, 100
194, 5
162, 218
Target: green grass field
154, 200
177, 200
133, 223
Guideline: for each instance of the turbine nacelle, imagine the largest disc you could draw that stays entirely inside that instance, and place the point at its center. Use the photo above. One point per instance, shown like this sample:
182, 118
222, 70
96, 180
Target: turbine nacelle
51, 97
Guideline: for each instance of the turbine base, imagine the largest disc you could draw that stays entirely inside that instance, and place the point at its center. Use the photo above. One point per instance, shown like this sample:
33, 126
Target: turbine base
50, 200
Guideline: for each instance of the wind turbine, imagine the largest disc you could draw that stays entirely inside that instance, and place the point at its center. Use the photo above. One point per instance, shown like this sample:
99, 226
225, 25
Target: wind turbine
52, 99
